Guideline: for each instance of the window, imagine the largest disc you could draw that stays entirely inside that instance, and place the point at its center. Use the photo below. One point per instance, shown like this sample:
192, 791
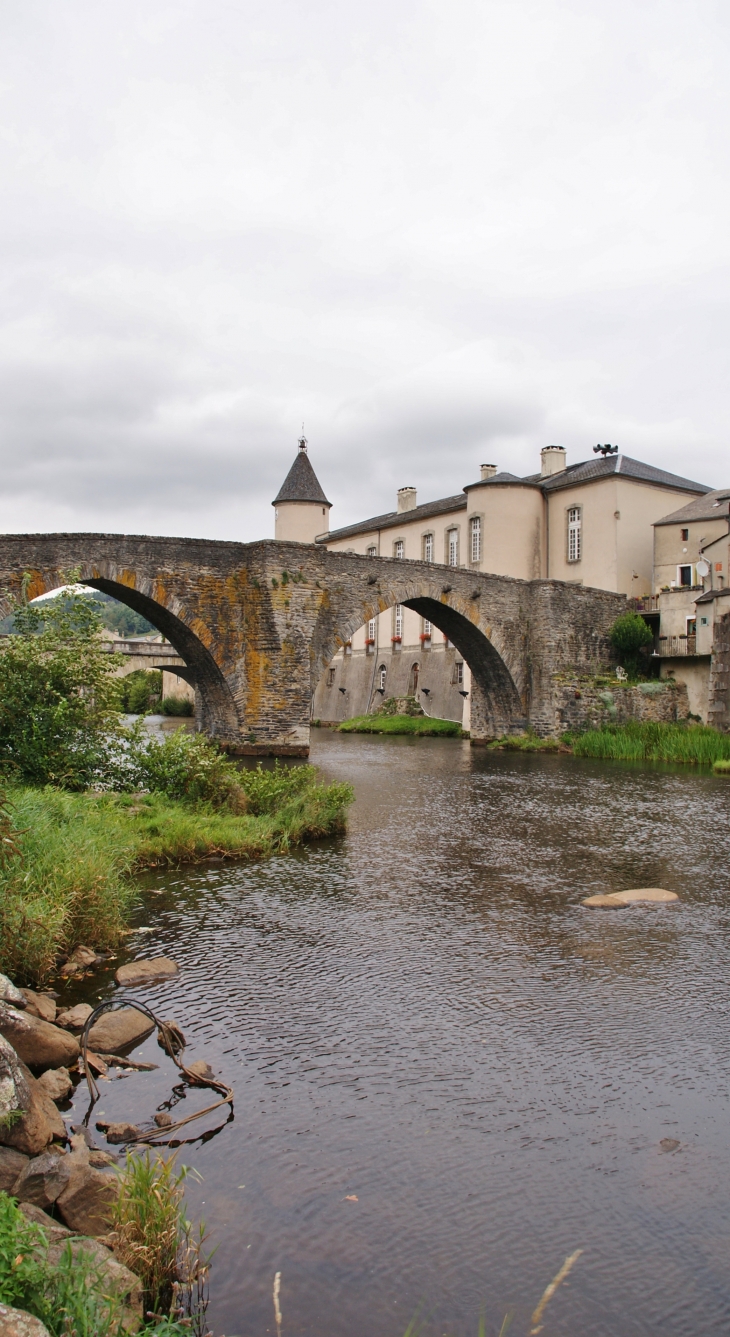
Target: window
399, 549
371, 629
398, 620
574, 534
426, 627
382, 674
453, 547
475, 526
372, 551
331, 677
459, 673
685, 535
428, 548
691, 626
684, 575
413, 681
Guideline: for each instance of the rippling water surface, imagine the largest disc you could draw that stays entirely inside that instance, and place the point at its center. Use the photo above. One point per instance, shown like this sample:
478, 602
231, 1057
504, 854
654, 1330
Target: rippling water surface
449, 1074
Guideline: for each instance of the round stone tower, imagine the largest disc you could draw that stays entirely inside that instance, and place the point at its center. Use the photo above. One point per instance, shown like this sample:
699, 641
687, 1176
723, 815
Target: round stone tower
301, 508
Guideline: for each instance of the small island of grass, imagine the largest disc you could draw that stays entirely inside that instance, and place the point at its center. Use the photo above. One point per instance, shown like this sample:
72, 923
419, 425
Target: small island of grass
419, 725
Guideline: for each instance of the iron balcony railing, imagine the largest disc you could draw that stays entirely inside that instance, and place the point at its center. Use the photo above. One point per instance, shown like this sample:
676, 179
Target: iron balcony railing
647, 603
676, 645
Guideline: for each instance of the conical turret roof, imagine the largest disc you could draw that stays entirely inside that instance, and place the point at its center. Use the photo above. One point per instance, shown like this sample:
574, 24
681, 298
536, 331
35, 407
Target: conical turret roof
301, 482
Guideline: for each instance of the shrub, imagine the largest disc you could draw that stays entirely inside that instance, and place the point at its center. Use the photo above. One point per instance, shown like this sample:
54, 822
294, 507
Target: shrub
141, 691
629, 636
184, 765
58, 700
177, 705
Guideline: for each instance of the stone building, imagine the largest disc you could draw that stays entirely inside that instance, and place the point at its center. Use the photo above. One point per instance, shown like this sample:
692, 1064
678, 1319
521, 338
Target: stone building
588, 523
691, 592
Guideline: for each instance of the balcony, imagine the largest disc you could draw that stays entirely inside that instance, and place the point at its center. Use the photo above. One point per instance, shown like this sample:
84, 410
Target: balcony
648, 603
672, 646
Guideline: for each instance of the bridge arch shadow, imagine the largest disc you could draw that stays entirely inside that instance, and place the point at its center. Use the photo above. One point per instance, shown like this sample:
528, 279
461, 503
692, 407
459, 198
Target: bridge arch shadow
215, 707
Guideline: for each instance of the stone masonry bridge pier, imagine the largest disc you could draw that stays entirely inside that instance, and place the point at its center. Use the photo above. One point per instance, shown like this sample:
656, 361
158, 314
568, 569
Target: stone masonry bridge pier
255, 624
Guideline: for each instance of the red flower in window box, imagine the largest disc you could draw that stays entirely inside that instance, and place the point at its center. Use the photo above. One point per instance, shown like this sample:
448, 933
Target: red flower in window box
370, 640
425, 636
396, 639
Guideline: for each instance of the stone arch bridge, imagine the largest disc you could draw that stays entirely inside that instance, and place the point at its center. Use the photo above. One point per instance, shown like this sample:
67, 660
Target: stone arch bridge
255, 624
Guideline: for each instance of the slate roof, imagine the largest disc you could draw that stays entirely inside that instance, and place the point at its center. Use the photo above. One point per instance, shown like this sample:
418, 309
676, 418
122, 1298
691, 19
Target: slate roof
392, 519
712, 506
604, 466
301, 483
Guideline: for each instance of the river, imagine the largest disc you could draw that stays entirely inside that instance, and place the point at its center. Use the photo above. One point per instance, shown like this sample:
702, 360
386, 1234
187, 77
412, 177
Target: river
449, 1074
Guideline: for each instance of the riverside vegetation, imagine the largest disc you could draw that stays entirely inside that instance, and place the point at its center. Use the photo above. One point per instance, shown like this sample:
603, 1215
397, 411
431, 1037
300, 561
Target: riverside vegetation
90, 800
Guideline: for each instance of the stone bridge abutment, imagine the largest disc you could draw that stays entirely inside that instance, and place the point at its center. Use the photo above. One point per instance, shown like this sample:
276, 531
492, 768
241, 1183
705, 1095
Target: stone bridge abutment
256, 624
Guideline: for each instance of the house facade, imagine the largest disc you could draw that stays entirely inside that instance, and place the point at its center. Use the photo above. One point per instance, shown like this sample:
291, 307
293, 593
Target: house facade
588, 523
691, 592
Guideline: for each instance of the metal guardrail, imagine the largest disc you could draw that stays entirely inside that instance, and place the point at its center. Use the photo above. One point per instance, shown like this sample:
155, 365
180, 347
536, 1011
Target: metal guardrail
671, 646
647, 603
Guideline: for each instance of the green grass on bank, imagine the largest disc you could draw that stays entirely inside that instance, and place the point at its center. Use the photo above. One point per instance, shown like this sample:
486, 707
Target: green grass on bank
71, 879
527, 742
403, 724
694, 744
722, 767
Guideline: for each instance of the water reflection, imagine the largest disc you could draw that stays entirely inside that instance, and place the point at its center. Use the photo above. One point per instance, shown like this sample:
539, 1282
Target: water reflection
449, 1075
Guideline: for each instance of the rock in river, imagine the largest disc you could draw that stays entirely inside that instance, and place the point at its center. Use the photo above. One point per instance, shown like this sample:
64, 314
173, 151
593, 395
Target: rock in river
74, 1018
146, 972
36, 1042
616, 899
117, 1031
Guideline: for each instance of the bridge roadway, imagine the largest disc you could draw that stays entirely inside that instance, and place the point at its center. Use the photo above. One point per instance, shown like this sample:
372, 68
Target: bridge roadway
255, 624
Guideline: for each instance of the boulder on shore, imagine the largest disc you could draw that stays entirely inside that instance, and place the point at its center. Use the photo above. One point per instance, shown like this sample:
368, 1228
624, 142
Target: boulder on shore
56, 1083
119, 1132
81, 958
9, 993
36, 1042
29, 1119
116, 1031
12, 1162
147, 971
38, 1004
87, 1200
42, 1180
16, 1323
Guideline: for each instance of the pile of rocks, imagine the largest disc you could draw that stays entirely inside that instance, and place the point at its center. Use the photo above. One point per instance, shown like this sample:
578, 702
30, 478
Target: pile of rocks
40, 1166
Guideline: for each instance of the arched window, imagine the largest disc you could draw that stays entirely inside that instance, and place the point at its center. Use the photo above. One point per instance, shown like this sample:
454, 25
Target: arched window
475, 527
382, 675
413, 681
372, 551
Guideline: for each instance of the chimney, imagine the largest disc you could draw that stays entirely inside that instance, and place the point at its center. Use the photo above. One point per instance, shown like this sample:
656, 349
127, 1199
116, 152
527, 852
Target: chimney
406, 499
552, 460
488, 470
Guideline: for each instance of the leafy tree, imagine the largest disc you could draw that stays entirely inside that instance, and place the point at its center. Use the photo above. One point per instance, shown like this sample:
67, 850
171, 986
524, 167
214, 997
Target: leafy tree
629, 636
59, 701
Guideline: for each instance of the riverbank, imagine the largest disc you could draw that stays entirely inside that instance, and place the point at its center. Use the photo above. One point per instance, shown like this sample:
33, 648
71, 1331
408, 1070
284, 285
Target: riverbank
684, 744
68, 877
419, 725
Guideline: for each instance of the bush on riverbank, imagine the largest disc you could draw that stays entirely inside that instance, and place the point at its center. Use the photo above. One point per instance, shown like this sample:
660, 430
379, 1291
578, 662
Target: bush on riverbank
695, 745
67, 875
403, 724
722, 767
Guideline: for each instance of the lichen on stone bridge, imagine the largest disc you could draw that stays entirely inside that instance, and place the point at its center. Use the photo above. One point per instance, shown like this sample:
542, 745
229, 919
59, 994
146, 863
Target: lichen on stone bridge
256, 624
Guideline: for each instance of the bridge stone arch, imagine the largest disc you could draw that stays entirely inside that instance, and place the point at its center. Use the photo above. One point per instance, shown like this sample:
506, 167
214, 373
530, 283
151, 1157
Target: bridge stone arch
256, 624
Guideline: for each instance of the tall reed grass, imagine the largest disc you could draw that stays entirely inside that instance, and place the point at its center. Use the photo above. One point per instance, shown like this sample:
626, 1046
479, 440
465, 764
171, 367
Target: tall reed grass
695, 745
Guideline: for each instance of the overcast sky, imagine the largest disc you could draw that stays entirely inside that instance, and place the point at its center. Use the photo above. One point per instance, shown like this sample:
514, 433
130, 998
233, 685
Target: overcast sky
438, 234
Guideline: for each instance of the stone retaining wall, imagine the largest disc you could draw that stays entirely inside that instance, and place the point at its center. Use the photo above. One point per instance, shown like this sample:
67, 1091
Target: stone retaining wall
582, 704
718, 710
